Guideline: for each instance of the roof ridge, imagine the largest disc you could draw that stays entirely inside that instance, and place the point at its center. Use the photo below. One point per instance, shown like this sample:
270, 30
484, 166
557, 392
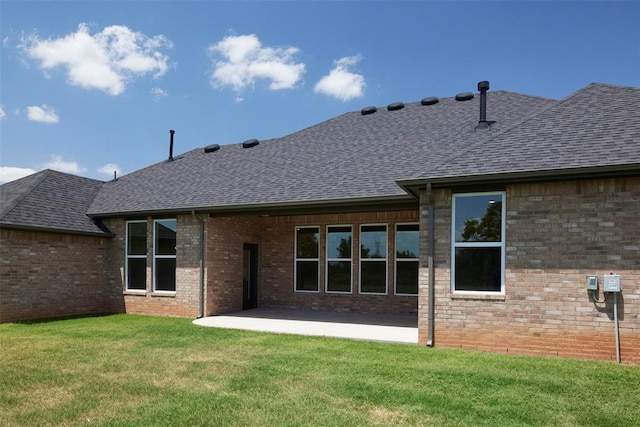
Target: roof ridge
41, 177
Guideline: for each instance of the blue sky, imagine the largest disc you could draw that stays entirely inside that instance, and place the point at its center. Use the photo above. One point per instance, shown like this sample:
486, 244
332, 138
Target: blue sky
89, 87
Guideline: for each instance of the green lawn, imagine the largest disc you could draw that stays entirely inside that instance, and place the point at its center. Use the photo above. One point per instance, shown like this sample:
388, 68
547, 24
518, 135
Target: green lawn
137, 370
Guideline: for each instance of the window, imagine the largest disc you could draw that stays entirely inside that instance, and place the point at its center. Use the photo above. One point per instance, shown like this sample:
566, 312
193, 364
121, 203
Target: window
307, 261
338, 259
407, 250
136, 262
478, 249
164, 255
373, 259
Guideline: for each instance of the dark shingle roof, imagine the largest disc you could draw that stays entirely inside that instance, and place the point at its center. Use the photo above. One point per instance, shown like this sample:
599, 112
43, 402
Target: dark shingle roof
596, 127
50, 200
349, 157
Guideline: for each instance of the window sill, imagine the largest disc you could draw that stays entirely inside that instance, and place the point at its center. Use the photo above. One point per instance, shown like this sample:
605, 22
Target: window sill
135, 292
478, 296
170, 294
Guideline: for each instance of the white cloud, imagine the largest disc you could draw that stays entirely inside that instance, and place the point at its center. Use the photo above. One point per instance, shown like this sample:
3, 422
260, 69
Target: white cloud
341, 83
109, 169
10, 173
59, 164
107, 60
158, 93
239, 61
2, 113
44, 114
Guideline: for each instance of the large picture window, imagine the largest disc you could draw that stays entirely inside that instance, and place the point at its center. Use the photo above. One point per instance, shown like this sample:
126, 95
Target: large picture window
338, 274
136, 265
164, 255
373, 259
478, 249
307, 261
407, 250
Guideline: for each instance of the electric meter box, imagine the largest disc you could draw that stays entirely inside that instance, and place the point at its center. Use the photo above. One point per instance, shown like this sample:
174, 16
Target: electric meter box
611, 283
592, 283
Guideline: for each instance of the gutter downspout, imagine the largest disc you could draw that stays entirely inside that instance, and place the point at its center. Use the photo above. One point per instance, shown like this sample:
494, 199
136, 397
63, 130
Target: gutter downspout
431, 277
201, 250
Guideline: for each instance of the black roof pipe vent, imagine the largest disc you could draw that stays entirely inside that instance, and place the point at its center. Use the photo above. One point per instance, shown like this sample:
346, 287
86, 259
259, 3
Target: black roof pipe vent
464, 96
483, 87
432, 100
211, 148
368, 110
171, 132
250, 143
395, 106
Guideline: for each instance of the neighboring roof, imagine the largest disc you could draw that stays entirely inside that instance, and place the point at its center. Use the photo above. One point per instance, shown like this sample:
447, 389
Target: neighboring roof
50, 200
350, 158
591, 132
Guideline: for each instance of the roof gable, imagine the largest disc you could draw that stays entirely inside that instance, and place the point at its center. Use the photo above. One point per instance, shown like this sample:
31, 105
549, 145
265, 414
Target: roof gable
596, 128
50, 200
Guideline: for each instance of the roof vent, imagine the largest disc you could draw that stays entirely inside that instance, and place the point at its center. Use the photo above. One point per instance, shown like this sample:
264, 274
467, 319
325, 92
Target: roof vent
483, 87
432, 100
395, 106
171, 132
211, 148
464, 96
250, 143
368, 110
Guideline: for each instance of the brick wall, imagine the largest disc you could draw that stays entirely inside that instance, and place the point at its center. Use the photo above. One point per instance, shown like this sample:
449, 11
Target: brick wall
276, 239
45, 275
185, 301
556, 234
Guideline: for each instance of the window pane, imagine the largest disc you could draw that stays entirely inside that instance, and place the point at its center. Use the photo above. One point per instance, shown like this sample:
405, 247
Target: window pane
307, 242
373, 277
339, 276
373, 241
478, 218
306, 275
136, 238
407, 241
478, 269
165, 274
407, 277
165, 237
339, 242
137, 273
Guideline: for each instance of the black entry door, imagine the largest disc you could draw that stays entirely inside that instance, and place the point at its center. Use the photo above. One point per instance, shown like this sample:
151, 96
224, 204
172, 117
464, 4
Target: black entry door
250, 277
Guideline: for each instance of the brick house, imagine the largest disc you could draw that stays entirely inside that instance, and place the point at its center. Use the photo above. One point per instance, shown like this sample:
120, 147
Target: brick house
485, 228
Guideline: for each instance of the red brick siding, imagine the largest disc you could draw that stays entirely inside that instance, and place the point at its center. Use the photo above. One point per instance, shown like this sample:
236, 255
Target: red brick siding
556, 234
45, 275
185, 301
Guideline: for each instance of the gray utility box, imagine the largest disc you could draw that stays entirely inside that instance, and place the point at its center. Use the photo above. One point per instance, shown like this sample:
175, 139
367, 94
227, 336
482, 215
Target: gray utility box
611, 283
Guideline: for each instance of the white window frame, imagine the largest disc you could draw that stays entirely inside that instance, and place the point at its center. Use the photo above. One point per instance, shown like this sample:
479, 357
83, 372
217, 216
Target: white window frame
156, 256
127, 256
396, 259
365, 260
296, 259
501, 244
350, 260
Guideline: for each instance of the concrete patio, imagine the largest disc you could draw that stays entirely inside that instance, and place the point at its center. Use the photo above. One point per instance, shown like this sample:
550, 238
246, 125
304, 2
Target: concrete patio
398, 328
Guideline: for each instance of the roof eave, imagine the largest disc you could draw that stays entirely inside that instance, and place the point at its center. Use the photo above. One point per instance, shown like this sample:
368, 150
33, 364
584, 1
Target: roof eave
412, 185
11, 226
396, 202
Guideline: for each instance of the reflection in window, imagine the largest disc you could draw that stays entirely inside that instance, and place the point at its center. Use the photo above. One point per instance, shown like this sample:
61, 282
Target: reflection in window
338, 259
164, 255
478, 248
307, 261
373, 259
407, 249
136, 267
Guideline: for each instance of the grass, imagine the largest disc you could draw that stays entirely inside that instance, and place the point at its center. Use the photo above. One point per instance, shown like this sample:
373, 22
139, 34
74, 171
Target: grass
126, 370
